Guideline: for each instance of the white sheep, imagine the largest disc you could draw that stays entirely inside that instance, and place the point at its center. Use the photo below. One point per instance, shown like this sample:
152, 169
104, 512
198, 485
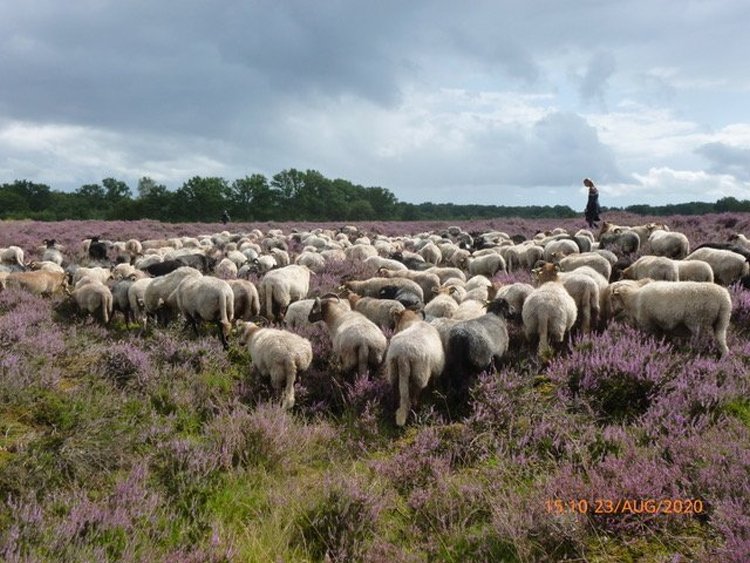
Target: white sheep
379, 311
654, 267
205, 298
13, 255
94, 297
415, 355
443, 304
560, 247
582, 288
662, 305
246, 300
226, 269
669, 243
282, 286
313, 260
298, 312
549, 312
728, 266
357, 341
159, 295
486, 265
590, 259
278, 354
694, 270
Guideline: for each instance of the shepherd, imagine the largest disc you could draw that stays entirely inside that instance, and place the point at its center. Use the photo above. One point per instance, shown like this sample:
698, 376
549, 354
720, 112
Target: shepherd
592, 205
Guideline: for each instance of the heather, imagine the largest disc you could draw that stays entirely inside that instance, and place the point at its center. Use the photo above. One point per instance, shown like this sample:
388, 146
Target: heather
160, 446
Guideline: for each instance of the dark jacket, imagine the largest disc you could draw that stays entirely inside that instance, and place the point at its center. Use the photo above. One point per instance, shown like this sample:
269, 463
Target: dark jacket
592, 206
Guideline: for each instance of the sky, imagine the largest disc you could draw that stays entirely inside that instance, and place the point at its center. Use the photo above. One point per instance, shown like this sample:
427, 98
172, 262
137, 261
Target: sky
491, 102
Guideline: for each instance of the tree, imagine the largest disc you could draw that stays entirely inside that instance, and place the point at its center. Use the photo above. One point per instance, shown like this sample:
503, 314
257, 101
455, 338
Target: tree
203, 199
252, 198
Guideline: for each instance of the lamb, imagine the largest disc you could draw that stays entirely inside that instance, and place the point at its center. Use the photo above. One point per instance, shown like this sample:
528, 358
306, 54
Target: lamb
475, 345
728, 266
654, 267
669, 243
205, 298
246, 300
379, 311
39, 282
415, 356
94, 297
662, 305
357, 341
582, 288
549, 312
282, 286
278, 354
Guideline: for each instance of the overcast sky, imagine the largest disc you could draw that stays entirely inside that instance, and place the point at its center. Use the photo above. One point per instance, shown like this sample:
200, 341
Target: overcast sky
497, 102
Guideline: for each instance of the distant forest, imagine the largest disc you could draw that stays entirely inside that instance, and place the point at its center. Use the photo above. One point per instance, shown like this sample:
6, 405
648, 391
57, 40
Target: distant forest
290, 195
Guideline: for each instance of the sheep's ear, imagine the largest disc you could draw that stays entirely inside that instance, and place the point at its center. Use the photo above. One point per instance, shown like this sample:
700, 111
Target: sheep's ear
396, 314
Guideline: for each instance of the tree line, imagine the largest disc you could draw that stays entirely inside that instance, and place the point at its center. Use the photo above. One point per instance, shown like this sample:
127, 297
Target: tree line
290, 195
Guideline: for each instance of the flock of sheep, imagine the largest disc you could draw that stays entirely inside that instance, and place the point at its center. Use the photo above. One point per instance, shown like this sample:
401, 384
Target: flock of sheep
434, 293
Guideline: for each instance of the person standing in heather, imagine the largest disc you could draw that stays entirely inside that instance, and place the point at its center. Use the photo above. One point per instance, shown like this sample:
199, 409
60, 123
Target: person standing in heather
592, 205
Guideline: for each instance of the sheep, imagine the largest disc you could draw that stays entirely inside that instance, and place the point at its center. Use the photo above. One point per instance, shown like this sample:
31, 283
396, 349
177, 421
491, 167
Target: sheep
663, 305
624, 242
469, 309
12, 256
94, 297
359, 252
45, 265
120, 300
263, 264
205, 298
523, 256
51, 252
226, 269
607, 307
475, 345
430, 283
549, 312
136, 300
373, 264
694, 270
373, 286
654, 267
443, 304
582, 288
278, 354
39, 282
415, 356
313, 260
357, 341
246, 300
280, 256
590, 259
97, 250
728, 266
446, 272
158, 297
298, 312
560, 247
98, 273
282, 286
431, 253
515, 294
379, 311
403, 295
487, 265
670, 244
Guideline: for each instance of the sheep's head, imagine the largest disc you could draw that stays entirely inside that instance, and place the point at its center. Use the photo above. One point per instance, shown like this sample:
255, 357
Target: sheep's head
501, 308
544, 272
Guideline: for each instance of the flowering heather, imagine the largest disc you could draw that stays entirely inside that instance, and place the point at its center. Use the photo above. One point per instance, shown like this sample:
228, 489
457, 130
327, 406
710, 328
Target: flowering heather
125, 363
740, 307
616, 372
338, 526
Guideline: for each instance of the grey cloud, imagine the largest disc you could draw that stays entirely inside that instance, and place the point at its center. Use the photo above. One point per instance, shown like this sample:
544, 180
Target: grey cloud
726, 159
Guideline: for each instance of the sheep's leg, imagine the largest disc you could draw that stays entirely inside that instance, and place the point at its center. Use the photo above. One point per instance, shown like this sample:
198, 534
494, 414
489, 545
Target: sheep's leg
363, 355
288, 400
222, 336
404, 377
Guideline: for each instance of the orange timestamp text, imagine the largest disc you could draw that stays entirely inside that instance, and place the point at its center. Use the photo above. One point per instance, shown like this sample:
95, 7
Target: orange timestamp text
687, 506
